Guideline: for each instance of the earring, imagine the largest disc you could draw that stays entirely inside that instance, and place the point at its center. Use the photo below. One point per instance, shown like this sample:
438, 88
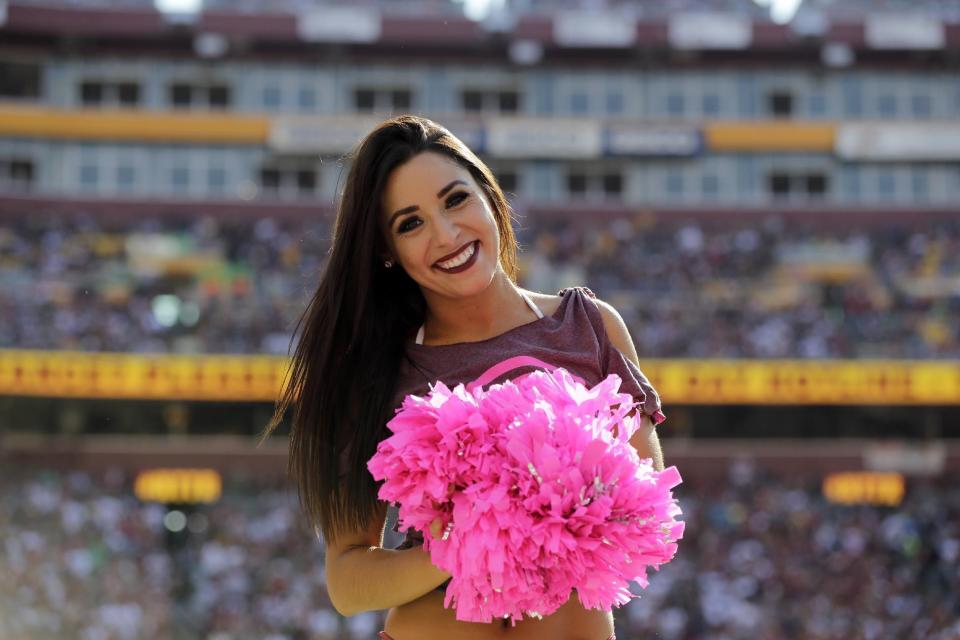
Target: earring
388, 263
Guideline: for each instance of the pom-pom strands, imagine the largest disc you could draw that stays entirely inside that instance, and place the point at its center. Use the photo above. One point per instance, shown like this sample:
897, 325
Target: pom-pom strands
538, 490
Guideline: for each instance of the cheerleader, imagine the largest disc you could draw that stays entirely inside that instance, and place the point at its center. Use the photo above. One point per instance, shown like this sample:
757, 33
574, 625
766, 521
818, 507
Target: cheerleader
420, 286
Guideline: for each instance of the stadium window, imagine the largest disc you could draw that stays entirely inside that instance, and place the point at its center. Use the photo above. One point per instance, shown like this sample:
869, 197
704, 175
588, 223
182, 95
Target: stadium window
852, 96
579, 103
711, 104
887, 106
818, 105
779, 185
271, 97
508, 101
91, 93
577, 184
364, 100
612, 184
886, 184
921, 105
307, 99
180, 178
19, 79
269, 179
850, 177
401, 99
216, 179
128, 94
126, 177
472, 100
507, 181
21, 171
920, 185
306, 180
181, 95
89, 175
816, 184
614, 103
710, 184
780, 104
218, 96
675, 104
16, 173
674, 183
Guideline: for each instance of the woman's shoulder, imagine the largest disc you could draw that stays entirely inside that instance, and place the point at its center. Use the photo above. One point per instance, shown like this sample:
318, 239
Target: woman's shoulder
547, 303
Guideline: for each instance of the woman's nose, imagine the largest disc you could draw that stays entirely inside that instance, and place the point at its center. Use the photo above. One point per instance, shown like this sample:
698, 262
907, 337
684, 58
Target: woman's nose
446, 230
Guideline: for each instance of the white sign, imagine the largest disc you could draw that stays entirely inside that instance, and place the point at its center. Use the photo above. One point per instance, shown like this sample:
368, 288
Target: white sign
318, 134
639, 140
903, 31
594, 29
908, 459
710, 31
904, 142
554, 138
339, 24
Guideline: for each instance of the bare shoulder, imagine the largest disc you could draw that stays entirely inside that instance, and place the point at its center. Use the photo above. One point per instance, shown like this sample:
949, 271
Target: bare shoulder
548, 303
617, 330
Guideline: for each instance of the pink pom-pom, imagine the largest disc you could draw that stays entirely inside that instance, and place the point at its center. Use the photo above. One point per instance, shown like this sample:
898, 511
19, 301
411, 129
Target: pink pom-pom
538, 489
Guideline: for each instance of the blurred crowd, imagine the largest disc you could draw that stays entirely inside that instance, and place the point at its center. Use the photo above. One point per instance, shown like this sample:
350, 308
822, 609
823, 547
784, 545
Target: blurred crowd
762, 557
768, 557
764, 288
760, 288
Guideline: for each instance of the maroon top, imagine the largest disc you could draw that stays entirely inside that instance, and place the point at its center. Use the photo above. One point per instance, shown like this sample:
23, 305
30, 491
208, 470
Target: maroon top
573, 338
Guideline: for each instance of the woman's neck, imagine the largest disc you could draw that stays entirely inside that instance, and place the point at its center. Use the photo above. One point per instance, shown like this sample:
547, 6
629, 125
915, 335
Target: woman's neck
495, 310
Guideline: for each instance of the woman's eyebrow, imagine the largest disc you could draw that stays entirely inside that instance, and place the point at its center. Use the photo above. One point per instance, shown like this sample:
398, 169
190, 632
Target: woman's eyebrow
413, 207
450, 186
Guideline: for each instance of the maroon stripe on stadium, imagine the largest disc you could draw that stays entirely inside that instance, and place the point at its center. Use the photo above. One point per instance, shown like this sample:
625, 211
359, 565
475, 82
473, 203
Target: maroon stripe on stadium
93, 22
435, 31
272, 26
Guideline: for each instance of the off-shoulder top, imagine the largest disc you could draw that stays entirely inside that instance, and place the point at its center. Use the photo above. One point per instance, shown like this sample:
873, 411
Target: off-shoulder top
573, 337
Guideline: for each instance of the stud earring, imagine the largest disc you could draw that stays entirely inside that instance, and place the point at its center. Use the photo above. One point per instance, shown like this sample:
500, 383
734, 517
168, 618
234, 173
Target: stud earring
388, 263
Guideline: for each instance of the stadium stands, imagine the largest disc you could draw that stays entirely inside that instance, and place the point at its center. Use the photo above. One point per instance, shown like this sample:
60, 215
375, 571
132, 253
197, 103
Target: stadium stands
771, 289
763, 556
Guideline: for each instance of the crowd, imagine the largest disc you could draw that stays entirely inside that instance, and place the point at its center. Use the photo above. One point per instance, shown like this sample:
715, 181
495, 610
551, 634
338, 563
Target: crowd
766, 289
762, 557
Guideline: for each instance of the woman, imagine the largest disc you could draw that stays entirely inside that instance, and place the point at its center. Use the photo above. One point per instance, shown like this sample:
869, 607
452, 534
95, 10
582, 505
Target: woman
419, 286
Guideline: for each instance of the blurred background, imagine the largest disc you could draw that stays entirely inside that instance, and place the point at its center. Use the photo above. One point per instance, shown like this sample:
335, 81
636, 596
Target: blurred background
767, 191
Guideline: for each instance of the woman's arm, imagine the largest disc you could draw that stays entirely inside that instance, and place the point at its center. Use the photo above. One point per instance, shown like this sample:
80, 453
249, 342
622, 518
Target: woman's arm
363, 576
645, 440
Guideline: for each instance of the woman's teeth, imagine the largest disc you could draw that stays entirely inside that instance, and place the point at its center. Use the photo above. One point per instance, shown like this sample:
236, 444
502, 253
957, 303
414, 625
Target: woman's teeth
465, 255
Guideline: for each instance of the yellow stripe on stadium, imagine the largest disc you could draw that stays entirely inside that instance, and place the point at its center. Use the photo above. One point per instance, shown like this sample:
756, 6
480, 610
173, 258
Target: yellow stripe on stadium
705, 382
149, 377
227, 128
122, 124
770, 136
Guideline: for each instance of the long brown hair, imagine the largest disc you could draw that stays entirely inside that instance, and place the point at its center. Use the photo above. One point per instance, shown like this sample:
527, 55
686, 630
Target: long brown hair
350, 339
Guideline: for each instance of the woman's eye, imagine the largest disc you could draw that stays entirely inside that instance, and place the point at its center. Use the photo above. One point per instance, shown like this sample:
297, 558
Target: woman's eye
407, 225
457, 198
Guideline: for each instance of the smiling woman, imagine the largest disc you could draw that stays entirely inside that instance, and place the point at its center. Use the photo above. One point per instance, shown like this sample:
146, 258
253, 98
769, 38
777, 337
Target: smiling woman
420, 286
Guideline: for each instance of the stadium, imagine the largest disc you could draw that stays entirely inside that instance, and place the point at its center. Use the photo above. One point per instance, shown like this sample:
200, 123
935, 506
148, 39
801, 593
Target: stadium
766, 191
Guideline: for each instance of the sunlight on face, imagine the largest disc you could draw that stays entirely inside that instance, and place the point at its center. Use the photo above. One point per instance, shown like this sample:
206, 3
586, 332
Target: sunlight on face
440, 227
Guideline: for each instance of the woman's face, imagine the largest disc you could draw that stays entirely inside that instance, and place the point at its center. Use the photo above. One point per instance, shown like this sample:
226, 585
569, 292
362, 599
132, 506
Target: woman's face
440, 227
